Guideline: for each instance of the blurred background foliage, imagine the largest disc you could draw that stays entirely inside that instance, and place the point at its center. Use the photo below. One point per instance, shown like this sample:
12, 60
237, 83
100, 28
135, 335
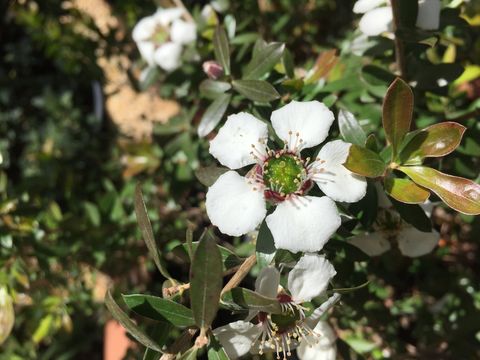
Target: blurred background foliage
69, 165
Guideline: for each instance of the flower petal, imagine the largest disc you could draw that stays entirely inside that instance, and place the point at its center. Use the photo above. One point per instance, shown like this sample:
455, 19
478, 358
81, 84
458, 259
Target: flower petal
234, 142
303, 223
234, 206
311, 120
309, 277
428, 16
334, 179
373, 244
167, 56
237, 338
363, 6
323, 346
147, 50
144, 29
413, 242
183, 32
267, 282
376, 21
166, 16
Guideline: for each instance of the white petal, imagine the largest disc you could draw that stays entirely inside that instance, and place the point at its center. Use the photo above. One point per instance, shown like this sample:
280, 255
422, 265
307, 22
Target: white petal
267, 282
310, 119
373, 244
304, 223
234, 206
233, 144
166, 16
147, 50
167, 56
144, 29
376, 21
428, 206
183, 32
324, 345
363, 6
428, 17
309, 277
335, 180
237, 338
413, 242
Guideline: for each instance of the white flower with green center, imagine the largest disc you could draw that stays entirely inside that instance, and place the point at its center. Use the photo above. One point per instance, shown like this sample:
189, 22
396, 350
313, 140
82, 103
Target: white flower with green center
377, 18
160, 37
323, 349
237, 204
390, 228
281, 333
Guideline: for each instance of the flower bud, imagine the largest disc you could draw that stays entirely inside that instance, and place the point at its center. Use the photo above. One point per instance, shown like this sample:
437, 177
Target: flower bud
213, 69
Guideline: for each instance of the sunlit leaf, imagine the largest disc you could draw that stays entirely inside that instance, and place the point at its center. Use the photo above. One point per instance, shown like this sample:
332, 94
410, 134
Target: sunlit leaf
405, 190
460, 194
364, 162
215, 350
350, 129
213, 114
242, 299
397, 113
212, 88
264, 60
256, 90
222, 49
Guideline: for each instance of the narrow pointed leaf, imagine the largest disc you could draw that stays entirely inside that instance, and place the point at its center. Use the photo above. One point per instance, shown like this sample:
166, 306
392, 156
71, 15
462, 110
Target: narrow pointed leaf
213, 114
205, 281
364, 162
209, 174
222, 49
243, 299
350, 129
406, 191
216, 351
147, 232
256, 90
434, 141
460, 194
264, 60
129, 325
212, 88
397, 113
157, 308
190, 354
414, 215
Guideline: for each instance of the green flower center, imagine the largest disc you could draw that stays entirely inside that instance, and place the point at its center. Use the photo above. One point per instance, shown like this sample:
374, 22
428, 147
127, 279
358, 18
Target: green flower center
161, 35
284, 173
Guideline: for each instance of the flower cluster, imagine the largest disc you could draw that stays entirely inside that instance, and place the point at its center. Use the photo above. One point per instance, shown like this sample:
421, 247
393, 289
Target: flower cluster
282, 177
160, 38
297, 325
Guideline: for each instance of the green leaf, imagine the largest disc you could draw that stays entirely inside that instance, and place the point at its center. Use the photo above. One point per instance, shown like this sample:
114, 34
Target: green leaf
264, 60
371, 143
413, 214
190, 354
288, 63
215, 350
405, 190
242, 299
364, 162
350, 129
265, 243
206, 281
209, 174
213, 114
147, 232
222, 49
129, 325
256, 90
160, 309
460, 194
397, 113
434, 141
212, 88
348, 290
161, 333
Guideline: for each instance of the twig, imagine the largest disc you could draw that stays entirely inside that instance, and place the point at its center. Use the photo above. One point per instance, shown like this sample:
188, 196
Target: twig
466, 116
188, 16
181, 344
399, 45
240, 274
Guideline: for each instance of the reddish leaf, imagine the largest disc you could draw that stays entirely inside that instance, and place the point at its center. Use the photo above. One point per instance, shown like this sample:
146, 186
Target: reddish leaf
397, 113
405, 190
364, 162
460, 194
434, 141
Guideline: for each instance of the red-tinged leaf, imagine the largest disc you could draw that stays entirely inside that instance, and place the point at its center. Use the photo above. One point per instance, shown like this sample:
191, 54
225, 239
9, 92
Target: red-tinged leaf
397, 113
434, 141
364, 162
460, 194
405, 190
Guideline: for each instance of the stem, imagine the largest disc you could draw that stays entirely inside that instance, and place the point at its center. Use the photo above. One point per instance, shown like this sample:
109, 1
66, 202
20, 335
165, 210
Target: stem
240, 274
180, 345
399, 45
466, 116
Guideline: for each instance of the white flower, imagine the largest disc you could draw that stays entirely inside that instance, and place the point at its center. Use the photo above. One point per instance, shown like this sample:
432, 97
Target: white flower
237, 204
283, 332
377, 16
160, 37
324, 349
